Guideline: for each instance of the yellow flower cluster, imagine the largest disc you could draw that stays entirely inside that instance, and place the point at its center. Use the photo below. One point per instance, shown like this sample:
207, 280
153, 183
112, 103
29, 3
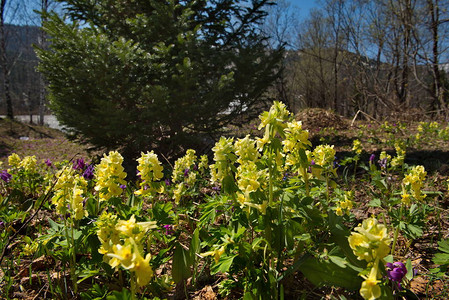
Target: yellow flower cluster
248, 176
371, 243
246, 150
273, 121
110, 175
121, 245
149, 170
296, 141
68, 193
249, 180
14, 160
370, 240
203, 165
186, 171
295, 137
400, 154
357, 147
414, 180
224, 158
323, 157
187, 162
345, 206
28, 163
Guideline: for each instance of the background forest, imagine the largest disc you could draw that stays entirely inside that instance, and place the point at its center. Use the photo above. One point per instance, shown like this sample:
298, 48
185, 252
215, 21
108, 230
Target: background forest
375, 56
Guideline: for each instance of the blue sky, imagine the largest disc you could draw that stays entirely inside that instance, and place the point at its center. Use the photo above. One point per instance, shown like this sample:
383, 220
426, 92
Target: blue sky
304, 6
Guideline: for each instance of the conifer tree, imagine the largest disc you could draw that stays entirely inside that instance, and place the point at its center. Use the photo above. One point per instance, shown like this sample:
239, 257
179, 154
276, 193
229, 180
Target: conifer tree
135, 75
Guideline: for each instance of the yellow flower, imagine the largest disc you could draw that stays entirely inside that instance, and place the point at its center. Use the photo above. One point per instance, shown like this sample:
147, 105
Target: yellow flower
370, 241
246, 149
224, 158
339, 211
405, 199
274, 123
132, 229
217, 253
370, 290
29, 163
357, 147
14, 160
295, 137
121, 255
178, 192
187, 162
142, 269
76, 203
150, 170
203, 164
249, 178
324, 155
415, 179
107, 233
278, 113
68, 193
110, 175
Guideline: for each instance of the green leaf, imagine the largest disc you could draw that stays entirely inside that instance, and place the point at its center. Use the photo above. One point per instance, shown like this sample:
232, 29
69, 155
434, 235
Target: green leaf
326, 273
122, 295
229, 186
441, 258
341, 262
375, 203
409, 267
223, 265
195, 245
181, 264
444, 245
414, 231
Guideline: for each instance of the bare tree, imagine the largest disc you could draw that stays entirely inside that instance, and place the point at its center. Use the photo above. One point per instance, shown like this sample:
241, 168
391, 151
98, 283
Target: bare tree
42, 42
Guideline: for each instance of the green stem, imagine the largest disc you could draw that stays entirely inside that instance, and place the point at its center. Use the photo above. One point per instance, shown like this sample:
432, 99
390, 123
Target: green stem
133, 286
396, 233
270, 186
73, 262
306, 181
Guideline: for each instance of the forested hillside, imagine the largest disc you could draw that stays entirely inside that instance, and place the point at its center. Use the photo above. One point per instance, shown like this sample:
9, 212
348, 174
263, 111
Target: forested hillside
22, 62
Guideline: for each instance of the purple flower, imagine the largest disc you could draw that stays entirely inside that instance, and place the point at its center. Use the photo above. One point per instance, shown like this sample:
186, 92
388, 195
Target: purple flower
336, 164
89, 172
396, 271
312, 162
168, 229
186, 172
167, 182
383, 163
5, 176
79, 164
48, 163
372, 158
123, 186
